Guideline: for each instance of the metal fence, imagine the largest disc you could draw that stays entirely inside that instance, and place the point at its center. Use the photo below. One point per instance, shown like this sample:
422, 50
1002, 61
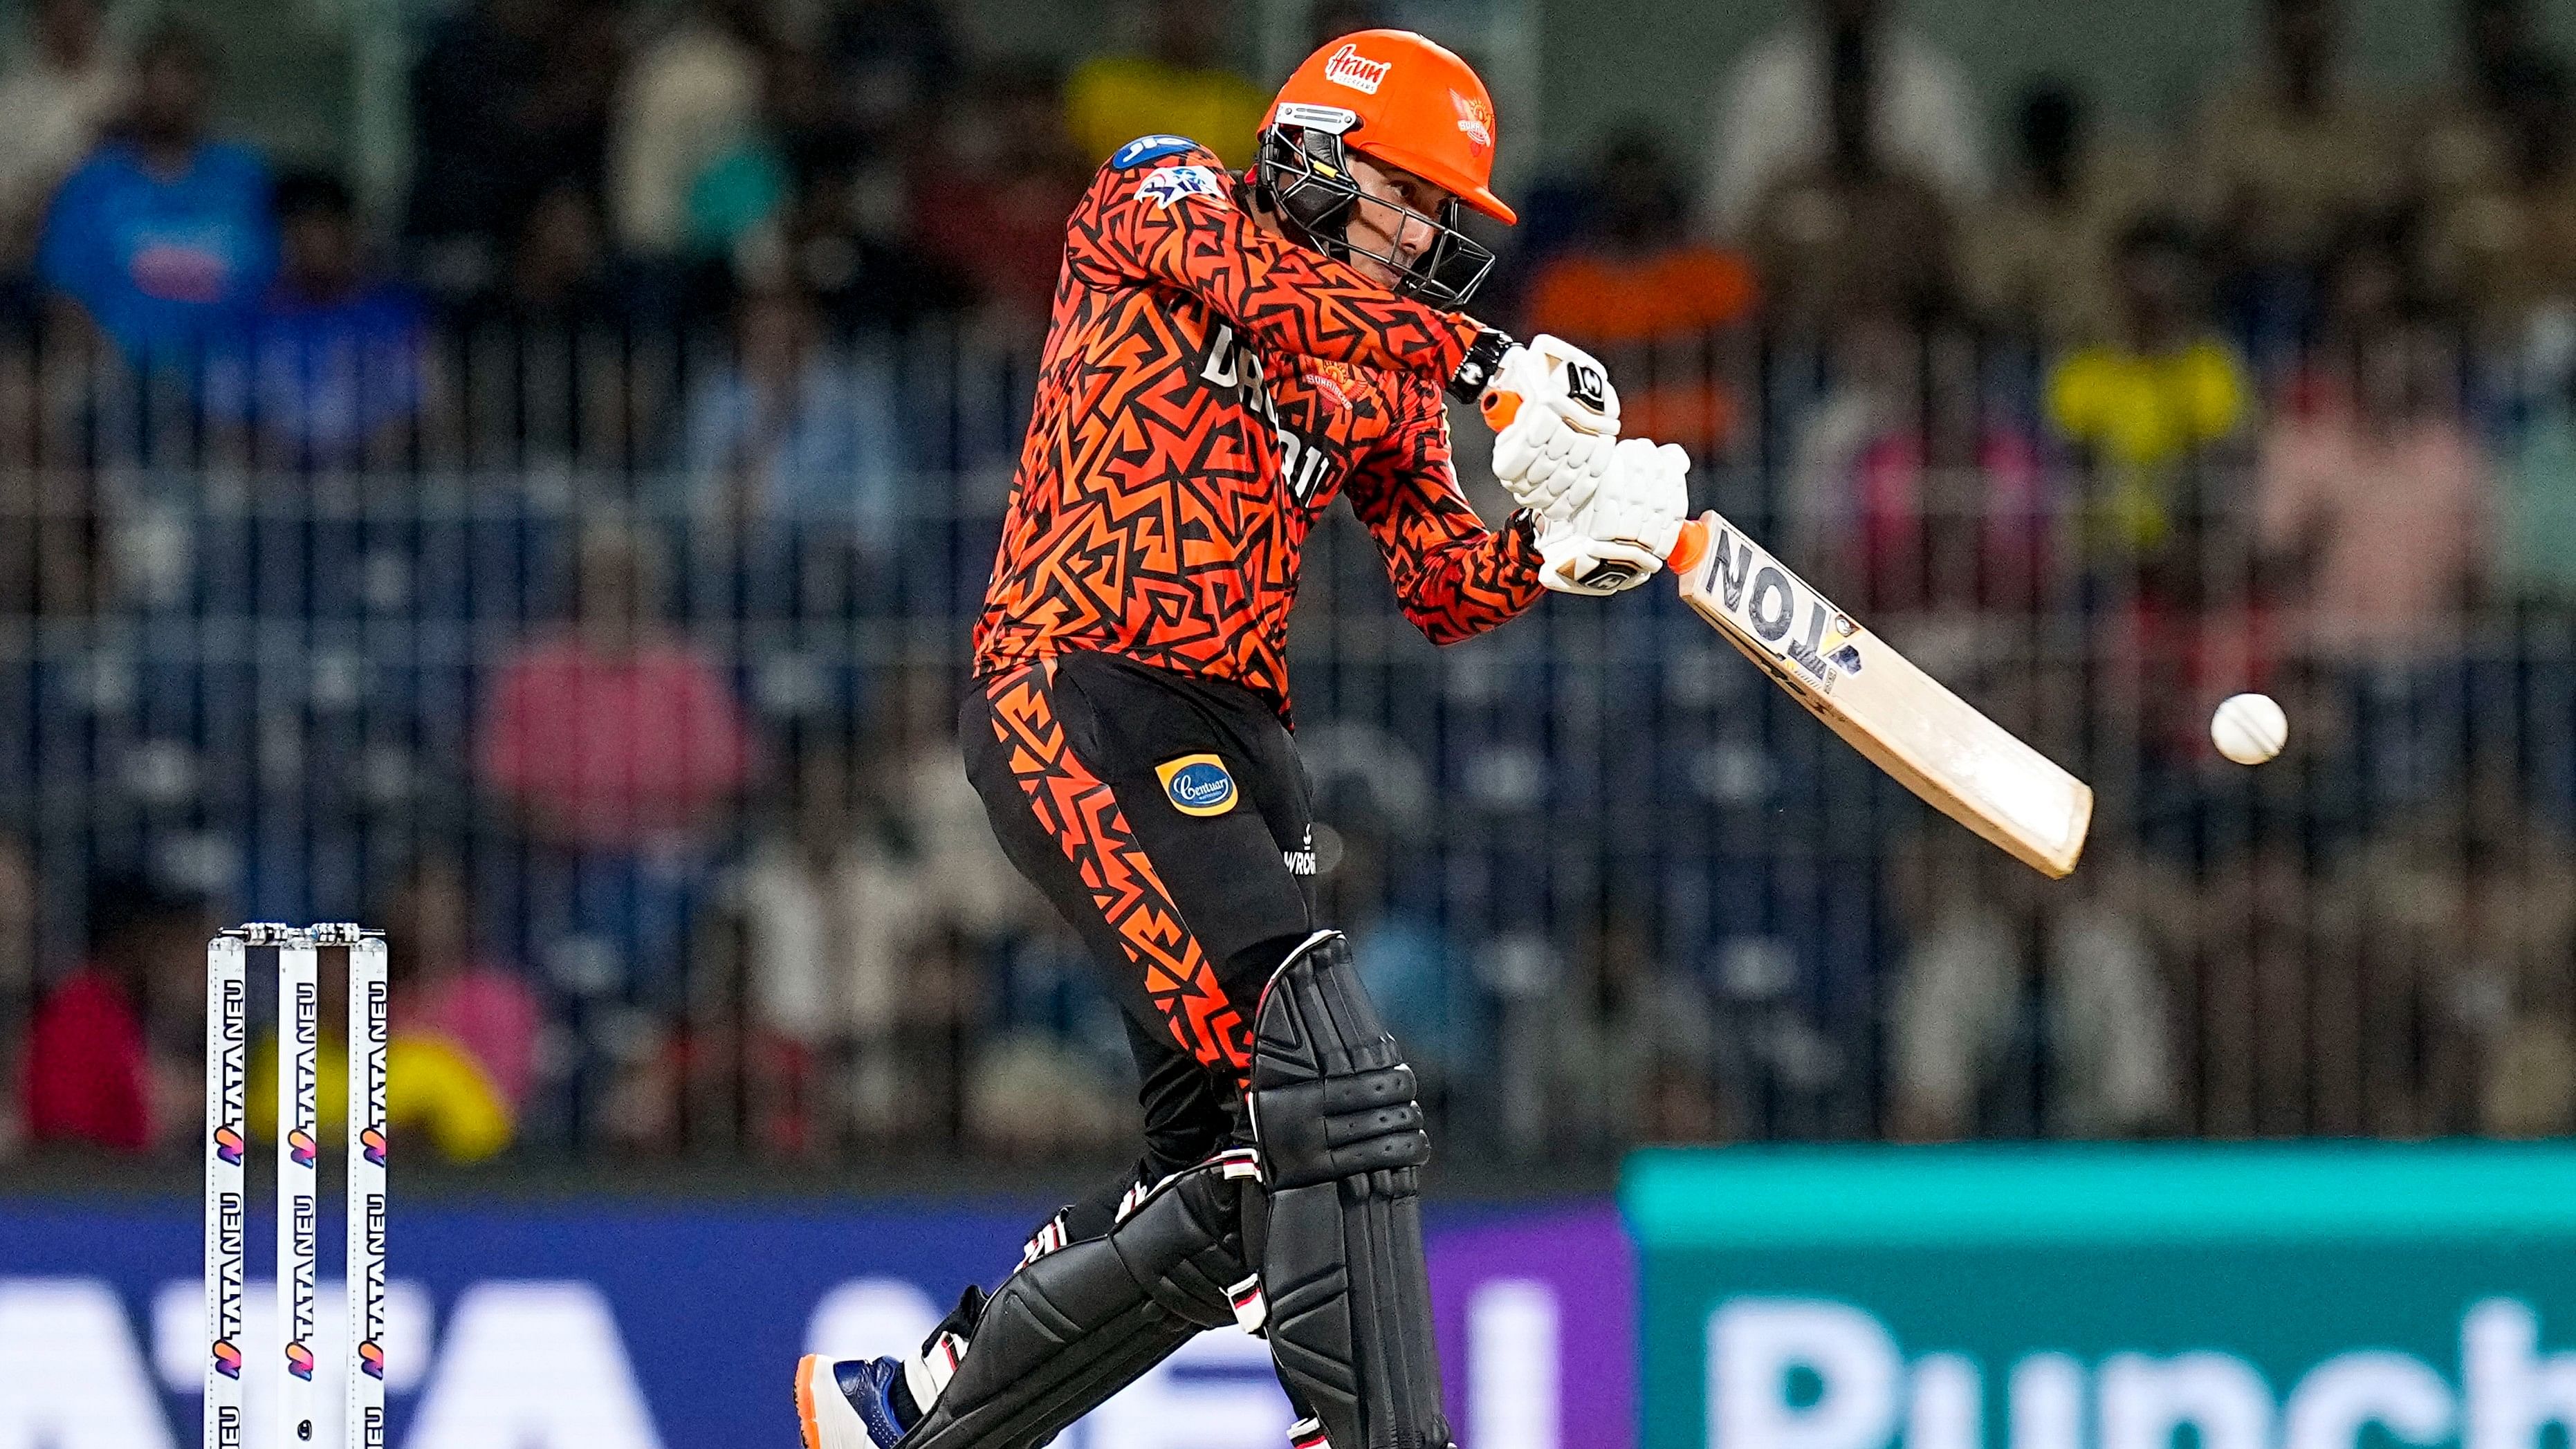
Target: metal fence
576, 641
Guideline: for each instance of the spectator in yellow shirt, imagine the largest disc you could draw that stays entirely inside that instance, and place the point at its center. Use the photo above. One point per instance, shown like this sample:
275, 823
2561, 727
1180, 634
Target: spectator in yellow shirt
434, 1092
2152, 400
1178, 88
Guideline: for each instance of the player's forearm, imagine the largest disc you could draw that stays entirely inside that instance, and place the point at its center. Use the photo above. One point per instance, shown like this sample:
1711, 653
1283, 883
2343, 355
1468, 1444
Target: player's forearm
1463, 588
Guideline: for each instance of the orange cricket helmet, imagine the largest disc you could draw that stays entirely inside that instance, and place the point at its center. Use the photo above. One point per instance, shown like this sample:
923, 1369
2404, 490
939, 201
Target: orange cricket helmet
1411, 102
1397, 97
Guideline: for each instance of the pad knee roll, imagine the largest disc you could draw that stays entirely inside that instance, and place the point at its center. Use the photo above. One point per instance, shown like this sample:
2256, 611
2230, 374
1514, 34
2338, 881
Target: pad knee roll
1331, 1095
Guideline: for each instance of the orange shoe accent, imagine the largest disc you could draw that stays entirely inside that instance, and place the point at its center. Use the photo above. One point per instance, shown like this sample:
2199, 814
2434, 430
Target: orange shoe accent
807, 1425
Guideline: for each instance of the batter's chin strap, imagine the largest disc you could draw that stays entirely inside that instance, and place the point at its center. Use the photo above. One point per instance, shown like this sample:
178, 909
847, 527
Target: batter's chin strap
1338, 1235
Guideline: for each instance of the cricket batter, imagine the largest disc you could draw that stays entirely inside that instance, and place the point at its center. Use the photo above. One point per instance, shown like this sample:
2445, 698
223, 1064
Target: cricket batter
1230, 353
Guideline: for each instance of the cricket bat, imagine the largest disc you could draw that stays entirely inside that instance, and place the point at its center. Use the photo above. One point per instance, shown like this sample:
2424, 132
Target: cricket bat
1962, 763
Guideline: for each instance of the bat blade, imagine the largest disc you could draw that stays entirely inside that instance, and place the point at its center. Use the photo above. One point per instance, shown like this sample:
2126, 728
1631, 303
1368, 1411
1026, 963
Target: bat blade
1908, 724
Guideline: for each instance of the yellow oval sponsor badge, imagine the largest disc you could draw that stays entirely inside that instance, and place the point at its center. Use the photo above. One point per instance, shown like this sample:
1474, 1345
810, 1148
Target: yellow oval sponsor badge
1197, 784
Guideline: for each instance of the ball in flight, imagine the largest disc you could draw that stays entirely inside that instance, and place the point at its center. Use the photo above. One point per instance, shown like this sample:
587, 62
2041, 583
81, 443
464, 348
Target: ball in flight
2249, 728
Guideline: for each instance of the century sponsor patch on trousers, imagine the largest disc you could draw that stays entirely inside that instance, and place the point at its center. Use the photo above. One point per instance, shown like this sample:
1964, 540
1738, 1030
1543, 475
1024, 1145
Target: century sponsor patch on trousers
1197, 784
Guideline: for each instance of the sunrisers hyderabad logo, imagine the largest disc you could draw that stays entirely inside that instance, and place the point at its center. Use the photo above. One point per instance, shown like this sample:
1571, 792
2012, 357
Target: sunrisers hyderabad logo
1475, 120
1347, 67
1320, 377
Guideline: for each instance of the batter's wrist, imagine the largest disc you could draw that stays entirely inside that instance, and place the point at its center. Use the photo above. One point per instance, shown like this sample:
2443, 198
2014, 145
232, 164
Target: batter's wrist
1484, 354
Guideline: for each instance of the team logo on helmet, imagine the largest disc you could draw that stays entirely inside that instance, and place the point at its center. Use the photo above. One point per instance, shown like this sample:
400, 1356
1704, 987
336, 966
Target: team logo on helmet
1475, 119
1350, 68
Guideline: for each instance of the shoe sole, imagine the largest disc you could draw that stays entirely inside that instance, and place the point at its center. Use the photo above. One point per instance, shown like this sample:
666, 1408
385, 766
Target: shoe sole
824, 1417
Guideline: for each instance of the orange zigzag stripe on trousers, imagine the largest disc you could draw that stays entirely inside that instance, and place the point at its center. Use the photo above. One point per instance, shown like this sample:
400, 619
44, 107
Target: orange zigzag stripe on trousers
1081, 812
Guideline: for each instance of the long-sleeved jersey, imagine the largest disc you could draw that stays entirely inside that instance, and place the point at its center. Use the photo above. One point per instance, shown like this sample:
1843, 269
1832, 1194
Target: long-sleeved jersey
1207, 389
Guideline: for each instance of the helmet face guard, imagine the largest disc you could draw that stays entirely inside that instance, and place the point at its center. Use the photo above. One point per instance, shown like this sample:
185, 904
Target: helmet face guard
1304, 172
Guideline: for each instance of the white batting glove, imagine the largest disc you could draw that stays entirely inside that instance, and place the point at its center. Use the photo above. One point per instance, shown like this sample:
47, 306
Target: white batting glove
1555, 417
1635, 519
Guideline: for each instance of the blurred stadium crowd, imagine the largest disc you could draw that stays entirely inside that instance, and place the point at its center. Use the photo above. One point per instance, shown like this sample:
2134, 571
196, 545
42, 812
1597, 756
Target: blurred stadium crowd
570, 571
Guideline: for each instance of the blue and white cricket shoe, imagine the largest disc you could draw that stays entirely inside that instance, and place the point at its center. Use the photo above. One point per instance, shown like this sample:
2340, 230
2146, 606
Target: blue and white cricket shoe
849, 1403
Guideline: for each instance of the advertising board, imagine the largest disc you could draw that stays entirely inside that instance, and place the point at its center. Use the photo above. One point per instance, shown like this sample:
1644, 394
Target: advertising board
623, 1324
2308, 1297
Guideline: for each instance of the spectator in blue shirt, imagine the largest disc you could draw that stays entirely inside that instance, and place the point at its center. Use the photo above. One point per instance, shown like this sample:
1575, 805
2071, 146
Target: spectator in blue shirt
162, 238
333, 366
796, 427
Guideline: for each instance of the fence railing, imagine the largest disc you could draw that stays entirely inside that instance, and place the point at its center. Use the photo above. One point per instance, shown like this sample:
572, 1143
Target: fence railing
613, 666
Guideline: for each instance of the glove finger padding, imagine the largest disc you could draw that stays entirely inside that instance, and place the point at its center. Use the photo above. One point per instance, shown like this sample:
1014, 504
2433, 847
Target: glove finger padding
1634, 520
1549, 466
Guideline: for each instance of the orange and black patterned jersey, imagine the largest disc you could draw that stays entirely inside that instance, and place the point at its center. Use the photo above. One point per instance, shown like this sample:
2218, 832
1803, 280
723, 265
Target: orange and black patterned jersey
1208, 388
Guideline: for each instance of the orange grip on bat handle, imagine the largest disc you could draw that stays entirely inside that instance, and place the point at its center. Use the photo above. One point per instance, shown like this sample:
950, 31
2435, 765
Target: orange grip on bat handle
1688, 549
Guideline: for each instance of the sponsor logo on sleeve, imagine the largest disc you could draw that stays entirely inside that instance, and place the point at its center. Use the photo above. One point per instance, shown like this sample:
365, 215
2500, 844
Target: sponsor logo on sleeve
1168, 184
1197, 784
1149, 148
1347, 67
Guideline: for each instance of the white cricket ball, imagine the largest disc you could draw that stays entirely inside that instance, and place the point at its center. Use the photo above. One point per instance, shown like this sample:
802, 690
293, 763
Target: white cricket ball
2249, 728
